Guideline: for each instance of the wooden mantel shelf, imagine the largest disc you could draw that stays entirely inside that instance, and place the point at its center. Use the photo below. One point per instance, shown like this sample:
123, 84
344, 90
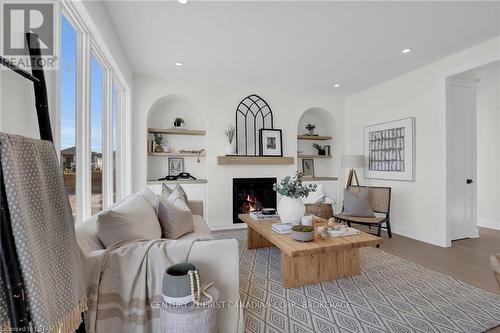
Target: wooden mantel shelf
253, 160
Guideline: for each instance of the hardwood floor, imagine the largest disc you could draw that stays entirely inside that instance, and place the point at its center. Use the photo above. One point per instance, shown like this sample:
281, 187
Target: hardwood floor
466, 260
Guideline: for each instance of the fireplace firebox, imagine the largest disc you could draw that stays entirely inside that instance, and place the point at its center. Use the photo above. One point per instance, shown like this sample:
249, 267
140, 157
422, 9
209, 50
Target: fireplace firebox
251, 194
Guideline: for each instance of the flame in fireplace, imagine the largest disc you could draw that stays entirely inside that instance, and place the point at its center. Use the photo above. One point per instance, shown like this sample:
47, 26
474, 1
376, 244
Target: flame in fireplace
251, 204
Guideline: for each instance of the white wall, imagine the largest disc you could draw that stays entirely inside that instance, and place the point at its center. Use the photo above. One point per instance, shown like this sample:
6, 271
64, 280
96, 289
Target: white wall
217, 104
488, 147
418, 208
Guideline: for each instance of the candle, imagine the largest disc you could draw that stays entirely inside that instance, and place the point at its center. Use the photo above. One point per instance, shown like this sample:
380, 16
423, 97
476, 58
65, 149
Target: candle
307, 220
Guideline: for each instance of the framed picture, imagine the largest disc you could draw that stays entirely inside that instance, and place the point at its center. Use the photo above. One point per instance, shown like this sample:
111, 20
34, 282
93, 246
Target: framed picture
389, 150
175, 166
308, 167
270, 142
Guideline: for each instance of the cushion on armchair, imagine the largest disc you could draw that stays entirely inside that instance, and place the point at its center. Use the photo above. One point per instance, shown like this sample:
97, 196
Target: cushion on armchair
357, 204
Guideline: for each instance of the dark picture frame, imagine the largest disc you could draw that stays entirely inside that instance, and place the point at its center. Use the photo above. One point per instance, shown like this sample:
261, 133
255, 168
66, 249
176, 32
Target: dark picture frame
270, 142
308, 167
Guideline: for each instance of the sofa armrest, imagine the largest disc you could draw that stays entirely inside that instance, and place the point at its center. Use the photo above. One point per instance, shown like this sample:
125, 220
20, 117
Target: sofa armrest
218, 261
89, 261
196, 207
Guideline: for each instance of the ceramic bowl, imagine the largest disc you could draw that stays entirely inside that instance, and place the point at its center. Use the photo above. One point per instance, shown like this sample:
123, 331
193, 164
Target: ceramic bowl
302, 236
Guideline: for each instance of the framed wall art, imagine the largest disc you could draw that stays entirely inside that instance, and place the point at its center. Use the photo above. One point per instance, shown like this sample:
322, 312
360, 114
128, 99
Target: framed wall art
389, 150
270, 142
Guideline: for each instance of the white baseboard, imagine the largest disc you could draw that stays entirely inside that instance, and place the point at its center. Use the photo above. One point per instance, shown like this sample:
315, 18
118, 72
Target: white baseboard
487, 223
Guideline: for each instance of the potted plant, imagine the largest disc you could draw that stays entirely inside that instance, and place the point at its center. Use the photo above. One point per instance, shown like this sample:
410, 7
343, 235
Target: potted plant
302, 233
158, 139
178, 122
291, 208
310, 128
321, 149
229, 132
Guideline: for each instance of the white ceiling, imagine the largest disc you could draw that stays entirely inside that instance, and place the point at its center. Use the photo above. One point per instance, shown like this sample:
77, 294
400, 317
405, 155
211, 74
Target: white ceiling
303, 45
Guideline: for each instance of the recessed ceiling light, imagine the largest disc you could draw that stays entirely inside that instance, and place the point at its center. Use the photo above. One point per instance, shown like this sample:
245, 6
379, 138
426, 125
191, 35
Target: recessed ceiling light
407, 50
336, 85
179, 64
183, 2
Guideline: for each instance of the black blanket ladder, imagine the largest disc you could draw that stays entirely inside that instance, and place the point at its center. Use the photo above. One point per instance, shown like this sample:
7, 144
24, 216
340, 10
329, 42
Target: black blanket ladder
10, 270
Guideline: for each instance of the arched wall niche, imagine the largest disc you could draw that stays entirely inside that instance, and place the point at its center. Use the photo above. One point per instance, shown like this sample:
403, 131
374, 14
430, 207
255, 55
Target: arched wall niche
325, 126
162, 114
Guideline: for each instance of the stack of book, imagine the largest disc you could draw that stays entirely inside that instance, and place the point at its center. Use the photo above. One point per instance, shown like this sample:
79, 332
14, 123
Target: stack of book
281, 228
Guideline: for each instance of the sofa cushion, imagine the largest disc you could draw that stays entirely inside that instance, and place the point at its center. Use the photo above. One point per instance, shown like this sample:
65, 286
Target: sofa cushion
357, 204
150, 197
166, 191
201, 230
132, 219
175, 216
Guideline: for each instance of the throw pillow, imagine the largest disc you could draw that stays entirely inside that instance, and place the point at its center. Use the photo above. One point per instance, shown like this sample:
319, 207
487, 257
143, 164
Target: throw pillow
167, 191
175, 216
131, 219
357, 204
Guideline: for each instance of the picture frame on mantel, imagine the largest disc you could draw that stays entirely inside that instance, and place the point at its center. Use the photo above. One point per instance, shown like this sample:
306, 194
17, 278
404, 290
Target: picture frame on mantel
270, 142
389, 150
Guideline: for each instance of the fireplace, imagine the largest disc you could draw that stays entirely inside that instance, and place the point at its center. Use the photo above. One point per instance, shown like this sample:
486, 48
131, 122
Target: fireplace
250, 194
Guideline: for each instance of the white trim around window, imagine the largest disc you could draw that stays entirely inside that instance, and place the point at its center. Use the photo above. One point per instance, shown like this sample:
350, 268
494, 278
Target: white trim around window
90, 43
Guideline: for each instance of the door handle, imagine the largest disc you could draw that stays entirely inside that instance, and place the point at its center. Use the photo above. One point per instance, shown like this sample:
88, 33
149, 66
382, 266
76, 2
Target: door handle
470, 181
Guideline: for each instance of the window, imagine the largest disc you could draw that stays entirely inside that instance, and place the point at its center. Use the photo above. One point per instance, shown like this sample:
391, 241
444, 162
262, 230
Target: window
93, 96
67, 128
96, 134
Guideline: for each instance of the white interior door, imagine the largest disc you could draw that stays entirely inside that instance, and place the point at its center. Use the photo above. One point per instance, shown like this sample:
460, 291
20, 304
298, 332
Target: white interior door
461, 159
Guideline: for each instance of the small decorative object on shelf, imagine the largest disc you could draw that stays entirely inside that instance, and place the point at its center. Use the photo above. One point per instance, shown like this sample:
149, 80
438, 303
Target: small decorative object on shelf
328, 150
320, 148
308, 167
178, 123
229, 132
310, 128
175, 166
291, 208
158, 141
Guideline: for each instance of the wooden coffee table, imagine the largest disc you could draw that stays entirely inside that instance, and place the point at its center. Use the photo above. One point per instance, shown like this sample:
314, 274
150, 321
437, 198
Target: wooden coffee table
322, 259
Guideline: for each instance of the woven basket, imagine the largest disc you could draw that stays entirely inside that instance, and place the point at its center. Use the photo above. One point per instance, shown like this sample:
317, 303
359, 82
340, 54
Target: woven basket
322, 210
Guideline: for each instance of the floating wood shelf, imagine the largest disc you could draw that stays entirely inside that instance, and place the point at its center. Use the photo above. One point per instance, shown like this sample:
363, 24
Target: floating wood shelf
176, 154
253, 160
175, 131
314, 156
314, 137
312, 179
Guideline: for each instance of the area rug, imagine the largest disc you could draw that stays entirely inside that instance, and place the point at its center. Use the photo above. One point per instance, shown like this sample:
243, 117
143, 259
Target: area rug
391, 295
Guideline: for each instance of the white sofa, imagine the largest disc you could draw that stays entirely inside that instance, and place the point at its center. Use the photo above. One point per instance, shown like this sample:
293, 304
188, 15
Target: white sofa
218, 260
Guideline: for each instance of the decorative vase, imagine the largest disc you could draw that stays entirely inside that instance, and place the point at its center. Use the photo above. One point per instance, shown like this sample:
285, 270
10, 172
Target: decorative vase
291, 210
229, 149
321, 152
311, 131
158, 149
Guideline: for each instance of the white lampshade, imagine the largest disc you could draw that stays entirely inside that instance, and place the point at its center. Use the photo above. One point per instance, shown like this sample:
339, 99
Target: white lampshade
353, 161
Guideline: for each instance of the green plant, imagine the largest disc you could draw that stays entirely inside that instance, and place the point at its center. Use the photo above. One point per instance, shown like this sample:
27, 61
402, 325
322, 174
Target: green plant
318, 147
302, 228
229, 132
292, 187
310, 127
158, 138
